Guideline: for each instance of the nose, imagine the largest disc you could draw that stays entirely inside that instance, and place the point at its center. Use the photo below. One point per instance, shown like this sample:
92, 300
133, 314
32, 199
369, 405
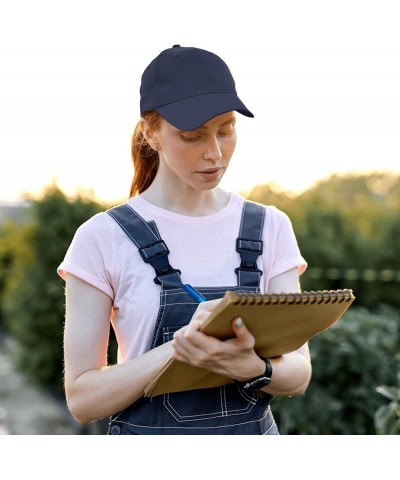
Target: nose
212, 150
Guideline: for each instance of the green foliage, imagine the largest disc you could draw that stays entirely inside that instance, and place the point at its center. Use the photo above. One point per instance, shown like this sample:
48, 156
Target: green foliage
349, 225
33, 300
343, 223
350, 360
387, 417
15, 255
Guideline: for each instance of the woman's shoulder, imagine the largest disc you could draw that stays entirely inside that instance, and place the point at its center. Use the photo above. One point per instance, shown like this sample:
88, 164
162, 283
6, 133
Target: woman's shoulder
272, 212
99, 225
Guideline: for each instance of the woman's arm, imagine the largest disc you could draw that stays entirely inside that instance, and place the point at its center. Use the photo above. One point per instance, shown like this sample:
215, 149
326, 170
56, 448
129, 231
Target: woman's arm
291, 372
236, 358
93, 389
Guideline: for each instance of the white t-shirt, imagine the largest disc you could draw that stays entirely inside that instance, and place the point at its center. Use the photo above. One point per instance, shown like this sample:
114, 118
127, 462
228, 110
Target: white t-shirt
203, 248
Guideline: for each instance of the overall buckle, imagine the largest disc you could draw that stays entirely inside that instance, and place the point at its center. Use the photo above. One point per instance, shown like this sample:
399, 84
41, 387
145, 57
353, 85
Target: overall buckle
249, 251
157, 255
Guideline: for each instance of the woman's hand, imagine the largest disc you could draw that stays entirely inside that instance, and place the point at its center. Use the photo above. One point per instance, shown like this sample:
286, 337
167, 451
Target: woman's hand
234, 358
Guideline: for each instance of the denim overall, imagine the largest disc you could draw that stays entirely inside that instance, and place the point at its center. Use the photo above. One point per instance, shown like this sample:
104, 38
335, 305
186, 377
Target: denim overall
213, 411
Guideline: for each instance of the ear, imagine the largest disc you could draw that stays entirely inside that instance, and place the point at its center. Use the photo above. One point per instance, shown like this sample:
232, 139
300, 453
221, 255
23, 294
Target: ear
150, 134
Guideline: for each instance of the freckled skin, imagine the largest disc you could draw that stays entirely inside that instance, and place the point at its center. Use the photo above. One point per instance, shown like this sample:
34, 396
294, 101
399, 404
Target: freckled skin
197, 158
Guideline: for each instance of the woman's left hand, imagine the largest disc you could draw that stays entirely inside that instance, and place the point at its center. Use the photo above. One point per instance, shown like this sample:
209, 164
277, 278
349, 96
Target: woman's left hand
234, 358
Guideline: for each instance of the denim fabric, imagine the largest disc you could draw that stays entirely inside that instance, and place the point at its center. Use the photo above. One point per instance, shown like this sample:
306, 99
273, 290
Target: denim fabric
223, 410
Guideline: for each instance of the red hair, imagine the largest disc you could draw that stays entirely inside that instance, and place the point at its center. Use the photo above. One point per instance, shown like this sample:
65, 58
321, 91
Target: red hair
145, 159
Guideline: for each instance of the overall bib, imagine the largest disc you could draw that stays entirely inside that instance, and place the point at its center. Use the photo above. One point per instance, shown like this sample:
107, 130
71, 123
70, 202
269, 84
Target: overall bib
222, 410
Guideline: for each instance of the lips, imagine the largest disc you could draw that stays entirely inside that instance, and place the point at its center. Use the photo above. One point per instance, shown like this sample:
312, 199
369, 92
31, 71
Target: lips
210, 170
211, 174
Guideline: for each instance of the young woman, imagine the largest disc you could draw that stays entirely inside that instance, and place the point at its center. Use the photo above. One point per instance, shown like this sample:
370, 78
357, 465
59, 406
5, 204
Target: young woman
178, 227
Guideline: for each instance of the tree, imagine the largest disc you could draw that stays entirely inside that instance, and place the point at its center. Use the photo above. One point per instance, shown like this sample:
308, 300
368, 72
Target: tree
34, 296
348, 229
15, 255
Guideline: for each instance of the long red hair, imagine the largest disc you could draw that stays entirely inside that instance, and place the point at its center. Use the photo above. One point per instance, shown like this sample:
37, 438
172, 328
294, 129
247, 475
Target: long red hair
145, 159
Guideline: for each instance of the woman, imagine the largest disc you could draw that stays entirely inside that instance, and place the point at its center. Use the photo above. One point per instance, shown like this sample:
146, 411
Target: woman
130, 263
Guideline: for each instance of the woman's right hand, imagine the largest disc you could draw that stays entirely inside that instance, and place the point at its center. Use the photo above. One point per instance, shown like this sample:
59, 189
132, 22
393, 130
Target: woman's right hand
233, 358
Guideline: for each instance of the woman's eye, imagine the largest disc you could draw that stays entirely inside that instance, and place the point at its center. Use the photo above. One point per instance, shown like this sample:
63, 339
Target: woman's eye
191, 139
224, 133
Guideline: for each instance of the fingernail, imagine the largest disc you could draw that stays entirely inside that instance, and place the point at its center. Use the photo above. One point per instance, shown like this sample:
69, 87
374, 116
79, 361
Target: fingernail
239, 322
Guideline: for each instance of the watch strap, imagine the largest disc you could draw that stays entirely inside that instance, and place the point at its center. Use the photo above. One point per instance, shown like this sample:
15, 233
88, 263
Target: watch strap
260, 381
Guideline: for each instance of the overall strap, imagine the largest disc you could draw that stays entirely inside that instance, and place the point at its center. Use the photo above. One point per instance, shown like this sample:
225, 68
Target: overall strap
152, 248
249, 244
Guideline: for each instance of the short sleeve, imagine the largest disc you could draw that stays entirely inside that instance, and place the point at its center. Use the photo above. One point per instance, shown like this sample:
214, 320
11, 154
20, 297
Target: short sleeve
91, 254
286, 250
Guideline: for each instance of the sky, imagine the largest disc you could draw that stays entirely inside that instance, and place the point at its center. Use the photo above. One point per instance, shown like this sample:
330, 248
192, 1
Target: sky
321, 77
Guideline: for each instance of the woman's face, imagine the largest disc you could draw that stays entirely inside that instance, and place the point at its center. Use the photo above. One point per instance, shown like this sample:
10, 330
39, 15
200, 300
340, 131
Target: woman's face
197, 158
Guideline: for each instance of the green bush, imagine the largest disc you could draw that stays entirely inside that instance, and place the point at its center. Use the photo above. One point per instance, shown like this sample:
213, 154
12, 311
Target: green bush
349, 223
350, 360
387, 417
15, 255
33, 300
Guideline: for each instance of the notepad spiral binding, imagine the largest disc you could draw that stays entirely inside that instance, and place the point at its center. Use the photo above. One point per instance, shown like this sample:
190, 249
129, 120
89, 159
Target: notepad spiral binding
311, 297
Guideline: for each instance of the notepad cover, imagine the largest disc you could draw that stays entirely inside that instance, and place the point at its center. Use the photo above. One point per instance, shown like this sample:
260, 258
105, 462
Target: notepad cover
280, 323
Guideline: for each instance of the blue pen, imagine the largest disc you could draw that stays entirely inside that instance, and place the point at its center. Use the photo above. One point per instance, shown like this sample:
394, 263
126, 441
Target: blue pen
194, 293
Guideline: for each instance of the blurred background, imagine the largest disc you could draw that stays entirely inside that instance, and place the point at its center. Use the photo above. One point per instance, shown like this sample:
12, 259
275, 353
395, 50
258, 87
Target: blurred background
323, 80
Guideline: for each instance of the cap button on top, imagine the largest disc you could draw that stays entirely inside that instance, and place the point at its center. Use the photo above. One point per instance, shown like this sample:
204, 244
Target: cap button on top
175, 46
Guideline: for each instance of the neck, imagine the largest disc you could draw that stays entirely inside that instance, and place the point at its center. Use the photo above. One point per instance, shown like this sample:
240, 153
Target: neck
186, 200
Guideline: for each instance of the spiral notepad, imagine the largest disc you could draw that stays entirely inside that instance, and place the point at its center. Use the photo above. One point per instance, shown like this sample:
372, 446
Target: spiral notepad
280, 323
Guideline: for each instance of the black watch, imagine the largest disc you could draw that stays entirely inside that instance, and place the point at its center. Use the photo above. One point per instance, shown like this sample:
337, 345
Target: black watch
259, 382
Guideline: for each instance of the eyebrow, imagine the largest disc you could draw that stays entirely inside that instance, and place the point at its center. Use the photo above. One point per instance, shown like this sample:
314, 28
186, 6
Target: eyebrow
231, 120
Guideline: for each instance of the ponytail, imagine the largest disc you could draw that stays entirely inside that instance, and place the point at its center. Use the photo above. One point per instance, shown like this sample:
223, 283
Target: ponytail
145, 159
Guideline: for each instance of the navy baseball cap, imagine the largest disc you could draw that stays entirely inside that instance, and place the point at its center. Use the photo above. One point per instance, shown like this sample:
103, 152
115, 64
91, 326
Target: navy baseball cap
189, 86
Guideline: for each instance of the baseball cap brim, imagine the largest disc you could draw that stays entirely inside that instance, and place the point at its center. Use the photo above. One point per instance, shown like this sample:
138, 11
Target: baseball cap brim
190, 113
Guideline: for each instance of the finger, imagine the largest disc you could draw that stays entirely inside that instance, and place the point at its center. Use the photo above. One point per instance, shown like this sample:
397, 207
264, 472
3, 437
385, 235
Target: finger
193, 326
241, 332
194, 345
180, 332
199, 340
190, 334
178, 352
209, 304
239, 327
184, 350
205, 309
188, 331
